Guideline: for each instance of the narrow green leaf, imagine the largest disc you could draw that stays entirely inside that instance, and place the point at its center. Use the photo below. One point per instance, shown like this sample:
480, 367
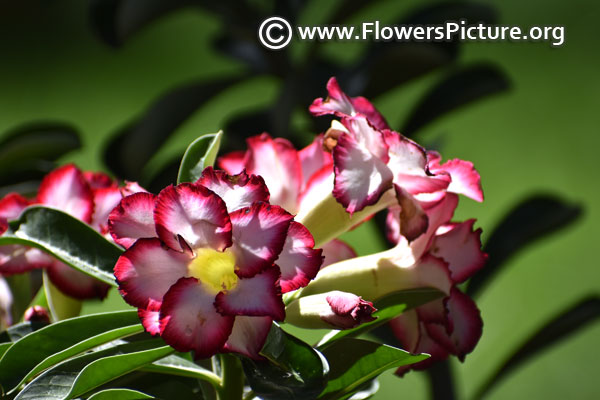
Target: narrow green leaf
120, 394
20, 359
79, 375
66, 238
200, 154
355, 361
60, 305
81, 347
293, 369
175, 365
107, 368
388, 308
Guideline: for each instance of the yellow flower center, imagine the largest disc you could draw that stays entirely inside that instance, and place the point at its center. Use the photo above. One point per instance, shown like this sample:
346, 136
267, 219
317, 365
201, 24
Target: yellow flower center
214, 269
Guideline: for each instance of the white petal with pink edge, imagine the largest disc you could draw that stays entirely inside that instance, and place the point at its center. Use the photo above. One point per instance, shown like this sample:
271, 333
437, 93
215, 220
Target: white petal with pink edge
66, 189
259, 233
248, 336
360, 177
232, 163
298, 261
237, 191
132, 219
189, 320
105, 200
465, 178
277, 162
460, 247
256, 296
146, 271
150, 319
336, 103
16, 259
313, 158
194, 213
367, 136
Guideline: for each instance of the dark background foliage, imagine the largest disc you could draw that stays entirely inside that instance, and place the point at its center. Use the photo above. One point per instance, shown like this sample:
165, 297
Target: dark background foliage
130, 83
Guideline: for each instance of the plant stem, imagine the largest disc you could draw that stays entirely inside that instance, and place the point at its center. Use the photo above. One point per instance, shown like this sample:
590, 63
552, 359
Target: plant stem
232, 378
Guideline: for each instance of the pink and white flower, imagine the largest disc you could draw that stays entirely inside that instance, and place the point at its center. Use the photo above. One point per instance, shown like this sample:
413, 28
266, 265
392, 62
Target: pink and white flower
86, 196
208, 262
370, 159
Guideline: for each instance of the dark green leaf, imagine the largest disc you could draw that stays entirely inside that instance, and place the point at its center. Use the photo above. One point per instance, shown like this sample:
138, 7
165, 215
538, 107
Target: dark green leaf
79, 375
460, 88
201, 153
355, 361
176, 365
16, 332
388, 307
558, 328
4, 348
532, 219
120, 394
293, 369
66, 238
52, 339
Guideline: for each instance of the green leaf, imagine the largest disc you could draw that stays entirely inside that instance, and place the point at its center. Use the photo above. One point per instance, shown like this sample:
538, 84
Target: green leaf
66, 238
81, 347
120, 394
16, 332
60, 305
79, 375
388, 308
354, 362
175, 365
4, 348
20, 358
200, 154
293, 369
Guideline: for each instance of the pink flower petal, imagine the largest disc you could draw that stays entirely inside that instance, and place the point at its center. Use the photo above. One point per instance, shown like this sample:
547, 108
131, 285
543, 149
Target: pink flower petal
367, 137
98, 180
150, 319
466, 325
336, 103
65, 188
413, 220
12, 205
460, 247
340, 104
406, 329
259, 233
319, 186
146, 271
433, 312
299, 262
408, 163
131, 188
248, 336
348, 309
433, 272
465, 178
232, 163
256, 296
3, 225
360, 177
189, 320
16, 259
132, 219
237, 191
105, 200
277, 162
313, 158
336, 250
74, 283
196, 214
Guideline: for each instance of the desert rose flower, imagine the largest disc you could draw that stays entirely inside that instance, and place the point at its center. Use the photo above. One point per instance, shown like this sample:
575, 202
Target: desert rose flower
210, 278
333, 310
86, 196
297, 180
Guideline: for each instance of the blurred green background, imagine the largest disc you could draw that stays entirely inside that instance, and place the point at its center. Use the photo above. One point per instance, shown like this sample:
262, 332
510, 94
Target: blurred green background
540, 136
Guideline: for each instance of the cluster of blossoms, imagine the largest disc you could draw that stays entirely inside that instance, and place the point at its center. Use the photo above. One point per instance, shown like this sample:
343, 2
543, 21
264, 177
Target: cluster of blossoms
87, 196
207, 263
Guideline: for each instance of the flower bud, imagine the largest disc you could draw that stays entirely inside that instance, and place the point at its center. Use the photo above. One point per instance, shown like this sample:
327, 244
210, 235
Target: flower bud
335, 309
36, 314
